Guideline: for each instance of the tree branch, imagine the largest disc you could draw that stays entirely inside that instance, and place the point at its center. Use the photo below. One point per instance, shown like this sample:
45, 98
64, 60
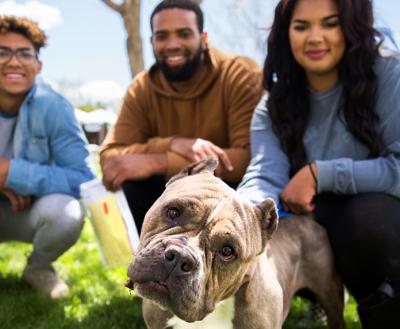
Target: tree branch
114, 6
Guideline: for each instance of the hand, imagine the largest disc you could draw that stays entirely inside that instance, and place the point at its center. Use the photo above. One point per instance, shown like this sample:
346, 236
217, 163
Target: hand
18, 202
196, 149
132, 167
4, 169
298, 194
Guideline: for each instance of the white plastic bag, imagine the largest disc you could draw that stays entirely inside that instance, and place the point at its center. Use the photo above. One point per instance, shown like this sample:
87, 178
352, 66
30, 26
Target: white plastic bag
113, 223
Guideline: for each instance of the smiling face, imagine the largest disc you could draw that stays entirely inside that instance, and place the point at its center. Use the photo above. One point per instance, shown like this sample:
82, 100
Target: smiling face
177, 43
317, 41
16, 78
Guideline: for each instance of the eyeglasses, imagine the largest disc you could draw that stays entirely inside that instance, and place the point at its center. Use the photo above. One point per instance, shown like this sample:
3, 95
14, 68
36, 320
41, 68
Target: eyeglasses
24, 56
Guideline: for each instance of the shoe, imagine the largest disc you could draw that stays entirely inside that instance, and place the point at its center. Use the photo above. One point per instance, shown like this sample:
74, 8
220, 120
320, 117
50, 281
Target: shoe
46, 280
381, 309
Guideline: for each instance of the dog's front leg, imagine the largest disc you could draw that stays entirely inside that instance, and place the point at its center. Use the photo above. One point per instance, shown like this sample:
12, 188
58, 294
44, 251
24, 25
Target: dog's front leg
259, 302
154, 317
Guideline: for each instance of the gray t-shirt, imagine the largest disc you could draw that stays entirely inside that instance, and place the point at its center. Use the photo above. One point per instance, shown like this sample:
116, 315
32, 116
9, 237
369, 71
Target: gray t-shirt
7, 126
342, 161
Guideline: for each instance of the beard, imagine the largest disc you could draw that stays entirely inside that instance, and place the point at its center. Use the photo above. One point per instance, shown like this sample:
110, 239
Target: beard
184, 72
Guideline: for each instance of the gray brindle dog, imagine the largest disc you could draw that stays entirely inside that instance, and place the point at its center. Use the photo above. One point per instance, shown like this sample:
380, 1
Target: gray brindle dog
202, 243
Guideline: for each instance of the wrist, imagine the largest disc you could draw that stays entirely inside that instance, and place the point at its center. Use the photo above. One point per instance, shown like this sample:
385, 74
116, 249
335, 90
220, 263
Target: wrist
159, 163
313, 171
172, 143
4, 170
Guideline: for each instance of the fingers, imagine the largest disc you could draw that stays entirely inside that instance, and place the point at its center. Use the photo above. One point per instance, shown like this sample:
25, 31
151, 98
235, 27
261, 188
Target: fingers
119, 169
109, 184
298, 207
224, 159
111, 179
205, 149
199, 149
128, 167
24, 202
285, 206
198, 155
299, 193
116, 182
13, 200
18, 202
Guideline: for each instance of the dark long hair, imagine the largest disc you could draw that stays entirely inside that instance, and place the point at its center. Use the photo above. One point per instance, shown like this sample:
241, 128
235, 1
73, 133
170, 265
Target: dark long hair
285, 80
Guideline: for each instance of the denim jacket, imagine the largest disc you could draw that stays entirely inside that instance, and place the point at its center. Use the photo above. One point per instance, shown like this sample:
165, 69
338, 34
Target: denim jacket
50, 149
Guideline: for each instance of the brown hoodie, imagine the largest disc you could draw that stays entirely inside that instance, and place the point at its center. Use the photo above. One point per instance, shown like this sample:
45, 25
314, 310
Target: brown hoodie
215, 105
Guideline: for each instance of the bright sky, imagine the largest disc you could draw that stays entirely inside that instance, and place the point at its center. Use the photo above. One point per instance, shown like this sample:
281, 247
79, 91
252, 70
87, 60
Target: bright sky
87, 39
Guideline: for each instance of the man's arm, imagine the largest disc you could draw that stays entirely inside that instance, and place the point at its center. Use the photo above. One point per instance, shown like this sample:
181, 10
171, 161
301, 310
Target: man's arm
70, 165
132, 133
242, 91
132, 167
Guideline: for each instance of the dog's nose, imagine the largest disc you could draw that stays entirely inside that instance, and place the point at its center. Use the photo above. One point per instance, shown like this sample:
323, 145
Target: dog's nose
178, 262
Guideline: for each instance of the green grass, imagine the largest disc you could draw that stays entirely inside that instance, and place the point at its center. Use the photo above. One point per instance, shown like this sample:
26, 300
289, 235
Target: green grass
98, 299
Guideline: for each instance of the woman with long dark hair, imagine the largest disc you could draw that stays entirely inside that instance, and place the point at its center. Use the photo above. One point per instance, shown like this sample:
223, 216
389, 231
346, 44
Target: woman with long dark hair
326, 140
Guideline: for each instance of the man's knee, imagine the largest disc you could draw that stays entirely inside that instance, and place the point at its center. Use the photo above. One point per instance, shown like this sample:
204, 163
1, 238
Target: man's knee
61, 215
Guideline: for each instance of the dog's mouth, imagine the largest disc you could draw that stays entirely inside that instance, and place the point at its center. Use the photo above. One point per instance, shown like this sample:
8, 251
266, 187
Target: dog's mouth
154, 287
169, 297
129, 284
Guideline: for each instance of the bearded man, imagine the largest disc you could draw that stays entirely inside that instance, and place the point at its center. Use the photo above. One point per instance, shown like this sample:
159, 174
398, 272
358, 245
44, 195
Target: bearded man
193, 102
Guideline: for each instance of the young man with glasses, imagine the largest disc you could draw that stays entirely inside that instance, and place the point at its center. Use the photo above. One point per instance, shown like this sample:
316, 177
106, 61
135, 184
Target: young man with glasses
43, 158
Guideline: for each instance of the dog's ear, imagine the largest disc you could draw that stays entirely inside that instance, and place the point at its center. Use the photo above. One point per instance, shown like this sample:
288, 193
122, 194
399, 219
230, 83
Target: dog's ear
268, 220
207, 165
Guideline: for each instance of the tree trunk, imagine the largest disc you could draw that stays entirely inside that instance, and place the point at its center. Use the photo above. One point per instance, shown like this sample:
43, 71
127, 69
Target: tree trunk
130, 12
131, 19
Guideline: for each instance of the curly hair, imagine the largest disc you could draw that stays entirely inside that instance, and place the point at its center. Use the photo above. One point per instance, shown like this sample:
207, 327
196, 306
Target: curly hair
288, 102
26, 27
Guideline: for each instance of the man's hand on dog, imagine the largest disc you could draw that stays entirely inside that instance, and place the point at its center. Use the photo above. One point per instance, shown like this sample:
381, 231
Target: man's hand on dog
196, 149
298, 194
132, 167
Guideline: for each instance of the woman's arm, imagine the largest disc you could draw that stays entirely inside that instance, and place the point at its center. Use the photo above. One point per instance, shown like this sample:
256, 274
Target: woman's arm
268, 172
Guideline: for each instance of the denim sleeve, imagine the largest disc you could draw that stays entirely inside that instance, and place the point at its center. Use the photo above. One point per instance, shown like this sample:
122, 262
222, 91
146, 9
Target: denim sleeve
70, 159
268, 171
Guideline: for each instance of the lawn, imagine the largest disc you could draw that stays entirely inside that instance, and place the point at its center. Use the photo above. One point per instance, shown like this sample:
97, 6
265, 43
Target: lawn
98, 299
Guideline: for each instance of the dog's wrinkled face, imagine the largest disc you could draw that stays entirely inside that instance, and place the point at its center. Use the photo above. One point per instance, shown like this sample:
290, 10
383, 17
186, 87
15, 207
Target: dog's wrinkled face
197, 243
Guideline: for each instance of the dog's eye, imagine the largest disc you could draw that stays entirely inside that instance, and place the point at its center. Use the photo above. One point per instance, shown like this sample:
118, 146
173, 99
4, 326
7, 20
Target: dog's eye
227, 253
172, 213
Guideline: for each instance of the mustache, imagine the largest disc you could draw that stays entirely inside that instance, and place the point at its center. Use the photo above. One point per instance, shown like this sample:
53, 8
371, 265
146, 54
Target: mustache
186, 71
173, 52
